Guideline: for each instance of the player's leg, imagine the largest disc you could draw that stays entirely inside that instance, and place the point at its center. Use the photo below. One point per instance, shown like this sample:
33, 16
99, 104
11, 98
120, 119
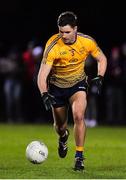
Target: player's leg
78, 104
60, 124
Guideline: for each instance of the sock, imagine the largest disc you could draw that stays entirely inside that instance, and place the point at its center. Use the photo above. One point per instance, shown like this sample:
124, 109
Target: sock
79, 152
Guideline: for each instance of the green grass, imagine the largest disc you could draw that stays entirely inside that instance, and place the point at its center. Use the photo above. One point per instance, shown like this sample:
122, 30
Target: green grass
105, 151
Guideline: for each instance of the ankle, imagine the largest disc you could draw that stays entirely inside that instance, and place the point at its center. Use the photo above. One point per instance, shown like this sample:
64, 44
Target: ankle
79, 152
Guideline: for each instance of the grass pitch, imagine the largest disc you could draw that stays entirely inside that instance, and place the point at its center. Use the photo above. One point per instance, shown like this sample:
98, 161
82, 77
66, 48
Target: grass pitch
105, 152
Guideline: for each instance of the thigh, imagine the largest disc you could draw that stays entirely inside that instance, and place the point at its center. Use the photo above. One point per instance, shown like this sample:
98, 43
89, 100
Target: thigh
78, 102
60, 115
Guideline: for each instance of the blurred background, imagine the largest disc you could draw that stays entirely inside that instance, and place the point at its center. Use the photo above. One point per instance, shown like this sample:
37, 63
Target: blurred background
24, 29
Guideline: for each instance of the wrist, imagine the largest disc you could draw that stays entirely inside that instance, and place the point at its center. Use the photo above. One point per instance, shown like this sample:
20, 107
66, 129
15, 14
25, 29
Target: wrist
100, 76
44, 93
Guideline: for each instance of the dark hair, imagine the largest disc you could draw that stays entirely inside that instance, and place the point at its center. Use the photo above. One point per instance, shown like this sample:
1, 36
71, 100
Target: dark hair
67, 18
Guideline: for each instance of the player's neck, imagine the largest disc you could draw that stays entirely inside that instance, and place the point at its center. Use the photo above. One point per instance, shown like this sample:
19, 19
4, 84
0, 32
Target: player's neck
73, 40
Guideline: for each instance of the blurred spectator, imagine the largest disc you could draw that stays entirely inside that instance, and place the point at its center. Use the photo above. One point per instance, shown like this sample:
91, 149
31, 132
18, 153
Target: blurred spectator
12, 69
39, 111
92, 106
29, 63
123, 57
37, 55
32, 59
114, 90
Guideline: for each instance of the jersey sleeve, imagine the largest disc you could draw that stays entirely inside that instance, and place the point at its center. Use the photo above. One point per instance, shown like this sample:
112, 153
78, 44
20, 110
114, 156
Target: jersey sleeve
49, 52
94, 48
48, 57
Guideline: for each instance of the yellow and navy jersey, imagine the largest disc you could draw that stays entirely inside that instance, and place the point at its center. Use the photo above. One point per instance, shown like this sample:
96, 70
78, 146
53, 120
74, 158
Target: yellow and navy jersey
68, 61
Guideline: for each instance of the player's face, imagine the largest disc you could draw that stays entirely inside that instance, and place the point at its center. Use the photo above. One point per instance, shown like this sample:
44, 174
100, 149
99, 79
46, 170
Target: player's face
68, 34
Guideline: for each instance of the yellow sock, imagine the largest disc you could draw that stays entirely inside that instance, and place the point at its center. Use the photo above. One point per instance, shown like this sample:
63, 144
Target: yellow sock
79, 148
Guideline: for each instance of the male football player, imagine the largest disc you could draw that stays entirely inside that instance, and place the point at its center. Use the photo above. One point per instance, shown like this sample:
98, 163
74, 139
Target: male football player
62, 81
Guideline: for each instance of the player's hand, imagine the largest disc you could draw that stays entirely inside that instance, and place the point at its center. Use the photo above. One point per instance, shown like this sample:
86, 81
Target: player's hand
97, 81
48, 100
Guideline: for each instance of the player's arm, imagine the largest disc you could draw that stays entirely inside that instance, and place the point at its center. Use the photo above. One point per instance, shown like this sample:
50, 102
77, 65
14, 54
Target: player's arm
102, 64
48, 100
101, 69
42, 77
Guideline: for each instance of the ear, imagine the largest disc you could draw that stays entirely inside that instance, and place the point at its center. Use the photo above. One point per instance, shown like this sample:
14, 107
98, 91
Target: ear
75, 28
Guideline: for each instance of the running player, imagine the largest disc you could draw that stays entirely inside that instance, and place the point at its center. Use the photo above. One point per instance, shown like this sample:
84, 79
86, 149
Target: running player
62, 81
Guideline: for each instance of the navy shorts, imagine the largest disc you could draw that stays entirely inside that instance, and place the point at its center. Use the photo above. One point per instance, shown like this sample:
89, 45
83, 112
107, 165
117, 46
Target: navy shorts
62, 95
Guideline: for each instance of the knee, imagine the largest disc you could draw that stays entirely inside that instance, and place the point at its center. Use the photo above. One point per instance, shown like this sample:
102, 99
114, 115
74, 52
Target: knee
78, 117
